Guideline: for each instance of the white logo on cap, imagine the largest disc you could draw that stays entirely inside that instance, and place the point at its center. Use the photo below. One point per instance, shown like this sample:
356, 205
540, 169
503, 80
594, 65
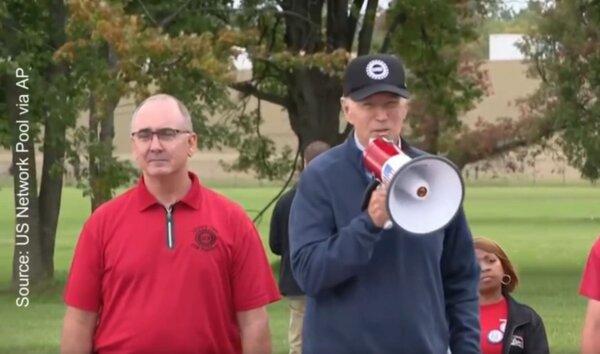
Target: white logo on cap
377, 69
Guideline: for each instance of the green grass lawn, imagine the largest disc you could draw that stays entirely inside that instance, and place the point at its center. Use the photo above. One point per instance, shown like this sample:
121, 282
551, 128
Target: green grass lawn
547, 232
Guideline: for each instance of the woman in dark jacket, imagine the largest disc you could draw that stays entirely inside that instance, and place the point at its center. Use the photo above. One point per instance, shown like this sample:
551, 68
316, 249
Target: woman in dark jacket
507, 327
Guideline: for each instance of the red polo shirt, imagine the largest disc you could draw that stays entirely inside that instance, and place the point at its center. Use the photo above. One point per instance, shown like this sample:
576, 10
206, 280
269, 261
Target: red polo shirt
493, 319
590, 283
169, 282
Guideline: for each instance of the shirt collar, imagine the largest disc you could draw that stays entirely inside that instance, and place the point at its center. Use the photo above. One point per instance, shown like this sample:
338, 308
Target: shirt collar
355, 152
358, 144
192, 198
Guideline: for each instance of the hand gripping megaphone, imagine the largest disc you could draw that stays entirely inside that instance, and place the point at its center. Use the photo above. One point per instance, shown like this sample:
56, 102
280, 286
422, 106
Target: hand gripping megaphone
424, 193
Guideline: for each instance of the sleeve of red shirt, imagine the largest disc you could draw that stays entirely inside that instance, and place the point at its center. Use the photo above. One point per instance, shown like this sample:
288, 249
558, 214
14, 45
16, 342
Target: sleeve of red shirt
253, 282
85, 277
590, 283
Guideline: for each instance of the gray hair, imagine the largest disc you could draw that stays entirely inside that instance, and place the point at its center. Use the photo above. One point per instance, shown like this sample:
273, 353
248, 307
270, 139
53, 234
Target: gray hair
163, 96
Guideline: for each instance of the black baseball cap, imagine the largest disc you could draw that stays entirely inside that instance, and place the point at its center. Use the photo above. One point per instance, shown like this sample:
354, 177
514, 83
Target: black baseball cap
370, 74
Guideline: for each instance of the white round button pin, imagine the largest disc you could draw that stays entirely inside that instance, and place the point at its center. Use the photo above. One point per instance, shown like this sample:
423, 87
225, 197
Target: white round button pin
495, 336
503, 326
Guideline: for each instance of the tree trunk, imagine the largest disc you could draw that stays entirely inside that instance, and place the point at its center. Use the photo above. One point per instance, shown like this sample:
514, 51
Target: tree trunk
102, 104
303, 25
54, 150
92, 148
366, 32
51, 187
313, 98
314, 107
101, 135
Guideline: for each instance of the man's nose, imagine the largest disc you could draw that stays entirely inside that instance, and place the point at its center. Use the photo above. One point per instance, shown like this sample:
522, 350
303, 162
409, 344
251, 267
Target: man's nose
380, 113
155, 143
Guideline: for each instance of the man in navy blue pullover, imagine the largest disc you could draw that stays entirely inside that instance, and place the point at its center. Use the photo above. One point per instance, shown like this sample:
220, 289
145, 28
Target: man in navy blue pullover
370, 289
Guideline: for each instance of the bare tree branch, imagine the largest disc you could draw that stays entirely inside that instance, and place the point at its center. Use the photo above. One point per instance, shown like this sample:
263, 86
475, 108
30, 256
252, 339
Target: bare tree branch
366, 31
167, 20
299, 16
147, 12
260, 214
303, 25
274, 34
489, 140
248, 88
540, 70
352, 22
336, 24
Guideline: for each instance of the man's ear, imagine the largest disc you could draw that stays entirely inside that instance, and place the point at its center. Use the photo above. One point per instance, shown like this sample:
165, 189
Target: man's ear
344, 103
405, 105
192, 143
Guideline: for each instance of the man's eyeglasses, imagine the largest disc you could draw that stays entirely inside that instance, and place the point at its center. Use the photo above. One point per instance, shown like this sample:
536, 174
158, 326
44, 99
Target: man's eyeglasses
164, 134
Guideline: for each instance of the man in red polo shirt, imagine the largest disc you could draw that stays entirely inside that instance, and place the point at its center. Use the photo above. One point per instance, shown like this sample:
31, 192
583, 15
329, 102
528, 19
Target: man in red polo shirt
590, 288
169, 266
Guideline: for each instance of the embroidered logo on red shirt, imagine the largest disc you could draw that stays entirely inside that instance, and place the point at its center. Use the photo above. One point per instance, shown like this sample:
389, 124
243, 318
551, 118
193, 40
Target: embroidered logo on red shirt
205, 237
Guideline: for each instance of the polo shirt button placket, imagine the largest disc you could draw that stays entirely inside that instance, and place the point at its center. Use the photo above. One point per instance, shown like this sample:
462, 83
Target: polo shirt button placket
170, 231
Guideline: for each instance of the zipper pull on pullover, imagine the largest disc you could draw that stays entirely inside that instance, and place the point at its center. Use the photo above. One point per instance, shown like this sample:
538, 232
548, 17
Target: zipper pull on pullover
170, 228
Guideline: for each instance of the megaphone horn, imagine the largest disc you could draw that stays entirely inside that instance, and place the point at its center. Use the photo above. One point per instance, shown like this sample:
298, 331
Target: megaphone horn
425, 193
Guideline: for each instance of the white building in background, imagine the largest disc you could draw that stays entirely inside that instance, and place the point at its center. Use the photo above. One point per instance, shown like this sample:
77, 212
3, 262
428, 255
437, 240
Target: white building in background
505, 47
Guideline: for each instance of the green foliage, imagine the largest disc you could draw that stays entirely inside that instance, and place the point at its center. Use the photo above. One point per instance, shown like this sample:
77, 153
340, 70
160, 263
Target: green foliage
125, 48
256, 150
204, 88
118, 49
564, 46
116, 173
434, 38
445, 77
184, 17
25, 42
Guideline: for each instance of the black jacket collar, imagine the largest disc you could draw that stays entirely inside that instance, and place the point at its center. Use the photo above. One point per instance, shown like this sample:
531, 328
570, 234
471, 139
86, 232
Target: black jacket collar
517, 316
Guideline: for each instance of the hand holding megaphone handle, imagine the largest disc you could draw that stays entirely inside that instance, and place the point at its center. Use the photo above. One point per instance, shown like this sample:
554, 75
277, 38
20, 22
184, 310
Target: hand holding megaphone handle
367, 199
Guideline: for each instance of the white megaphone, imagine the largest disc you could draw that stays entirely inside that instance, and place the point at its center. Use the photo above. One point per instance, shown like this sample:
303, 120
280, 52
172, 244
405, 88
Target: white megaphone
424, 194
